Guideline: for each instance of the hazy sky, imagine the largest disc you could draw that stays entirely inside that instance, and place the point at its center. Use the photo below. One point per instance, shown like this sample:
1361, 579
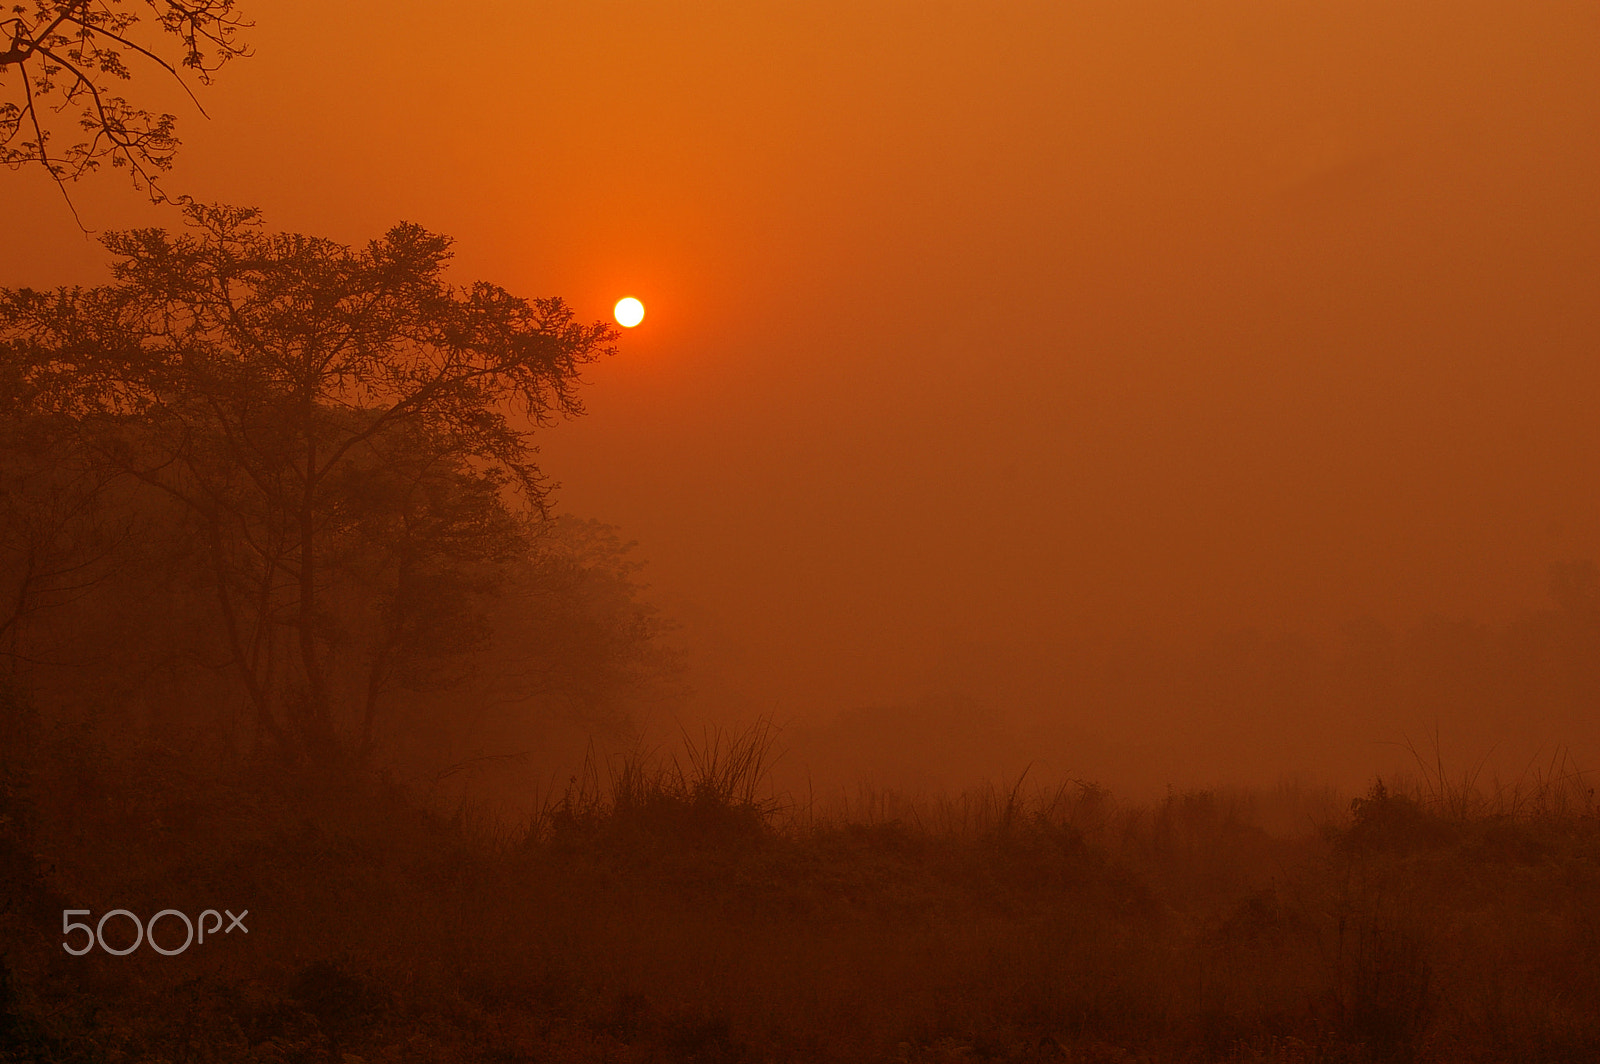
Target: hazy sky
989, 323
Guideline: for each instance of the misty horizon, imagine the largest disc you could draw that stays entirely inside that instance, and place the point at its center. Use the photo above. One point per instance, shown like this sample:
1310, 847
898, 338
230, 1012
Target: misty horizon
725, 532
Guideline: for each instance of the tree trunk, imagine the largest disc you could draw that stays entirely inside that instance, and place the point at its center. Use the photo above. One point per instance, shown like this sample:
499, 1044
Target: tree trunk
319, 723
252, 682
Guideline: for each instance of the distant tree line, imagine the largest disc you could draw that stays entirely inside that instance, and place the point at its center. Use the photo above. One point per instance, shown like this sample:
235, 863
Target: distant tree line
1246, 704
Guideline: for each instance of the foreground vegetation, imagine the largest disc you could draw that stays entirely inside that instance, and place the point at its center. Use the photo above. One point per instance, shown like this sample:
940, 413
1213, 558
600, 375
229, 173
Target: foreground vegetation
272, 526
666, 911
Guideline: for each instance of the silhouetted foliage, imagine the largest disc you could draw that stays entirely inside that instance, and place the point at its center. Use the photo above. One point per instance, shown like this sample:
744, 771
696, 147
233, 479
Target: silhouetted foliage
1388, 820
652, 914
68, 56
341, 440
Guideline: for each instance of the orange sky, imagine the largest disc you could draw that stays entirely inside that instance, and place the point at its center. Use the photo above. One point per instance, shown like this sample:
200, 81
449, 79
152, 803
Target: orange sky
987, 323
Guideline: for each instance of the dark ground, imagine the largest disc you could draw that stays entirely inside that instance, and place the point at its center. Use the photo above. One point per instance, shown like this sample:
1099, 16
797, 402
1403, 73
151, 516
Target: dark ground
674, 917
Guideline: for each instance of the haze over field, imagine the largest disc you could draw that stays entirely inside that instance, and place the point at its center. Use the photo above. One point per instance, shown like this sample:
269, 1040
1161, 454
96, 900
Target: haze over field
1010, 363
800, 531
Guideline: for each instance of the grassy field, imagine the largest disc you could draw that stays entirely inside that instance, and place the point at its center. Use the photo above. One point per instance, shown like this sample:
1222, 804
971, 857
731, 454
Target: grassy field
673, 912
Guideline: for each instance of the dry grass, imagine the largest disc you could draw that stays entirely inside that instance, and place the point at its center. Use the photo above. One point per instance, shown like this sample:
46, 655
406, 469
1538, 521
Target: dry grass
671, 908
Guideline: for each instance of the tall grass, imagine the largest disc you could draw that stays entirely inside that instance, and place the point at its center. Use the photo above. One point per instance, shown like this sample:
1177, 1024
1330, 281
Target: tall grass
1551, 787
668, 905
714, 788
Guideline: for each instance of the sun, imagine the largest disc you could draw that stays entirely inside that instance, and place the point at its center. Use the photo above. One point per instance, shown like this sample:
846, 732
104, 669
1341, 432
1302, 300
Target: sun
629, 312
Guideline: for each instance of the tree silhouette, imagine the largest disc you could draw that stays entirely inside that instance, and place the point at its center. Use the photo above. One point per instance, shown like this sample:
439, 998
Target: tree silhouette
56, 542
326, 419
68, 56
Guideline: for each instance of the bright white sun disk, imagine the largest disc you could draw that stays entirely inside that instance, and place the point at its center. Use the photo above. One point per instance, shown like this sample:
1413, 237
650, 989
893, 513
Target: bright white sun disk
629, 311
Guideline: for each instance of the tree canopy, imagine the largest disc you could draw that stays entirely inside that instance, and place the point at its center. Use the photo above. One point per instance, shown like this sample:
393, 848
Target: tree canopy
346, 436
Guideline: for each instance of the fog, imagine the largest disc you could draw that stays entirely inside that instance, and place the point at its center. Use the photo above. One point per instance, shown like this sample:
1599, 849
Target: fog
1089, 556
1096, 377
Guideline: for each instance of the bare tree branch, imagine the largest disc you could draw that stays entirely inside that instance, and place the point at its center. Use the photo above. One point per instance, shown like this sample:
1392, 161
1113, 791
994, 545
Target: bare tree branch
86, 40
